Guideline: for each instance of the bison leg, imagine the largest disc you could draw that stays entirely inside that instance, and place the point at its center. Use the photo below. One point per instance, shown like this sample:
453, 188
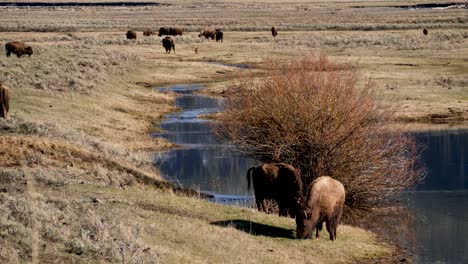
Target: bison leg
8, 53
330, 229
318, 228
18, 55
173, 47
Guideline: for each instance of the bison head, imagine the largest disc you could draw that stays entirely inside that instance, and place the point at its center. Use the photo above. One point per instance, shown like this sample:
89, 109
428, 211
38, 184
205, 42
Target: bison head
304, 224
29, 51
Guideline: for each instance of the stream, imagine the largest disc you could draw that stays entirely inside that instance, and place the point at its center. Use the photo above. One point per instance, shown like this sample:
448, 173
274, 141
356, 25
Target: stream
435, 228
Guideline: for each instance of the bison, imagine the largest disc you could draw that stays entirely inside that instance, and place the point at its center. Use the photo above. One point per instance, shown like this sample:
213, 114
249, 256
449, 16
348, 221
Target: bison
4, 100
324, 203
274, 31
18, 48
131, 34
175, 31
425, 31
168, 43
219, 35
163, 31
277, 181
208, 33
148, 32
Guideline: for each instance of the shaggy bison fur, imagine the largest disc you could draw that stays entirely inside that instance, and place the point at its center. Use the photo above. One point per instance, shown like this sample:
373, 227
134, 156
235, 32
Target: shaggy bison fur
274, 31
131, 34
219, 36
175, 31
163, 31
148, 33
277, 181
208, 33
18, 48
4, 100
324, 203
168, 43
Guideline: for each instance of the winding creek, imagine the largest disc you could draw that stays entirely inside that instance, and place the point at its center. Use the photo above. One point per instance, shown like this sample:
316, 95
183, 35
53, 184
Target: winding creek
436, 233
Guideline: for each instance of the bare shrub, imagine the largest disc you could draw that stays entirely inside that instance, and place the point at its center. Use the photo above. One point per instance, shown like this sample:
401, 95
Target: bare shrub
324, 119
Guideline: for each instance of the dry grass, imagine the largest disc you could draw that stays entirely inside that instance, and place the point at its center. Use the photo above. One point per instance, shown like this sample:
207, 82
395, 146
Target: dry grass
87, 223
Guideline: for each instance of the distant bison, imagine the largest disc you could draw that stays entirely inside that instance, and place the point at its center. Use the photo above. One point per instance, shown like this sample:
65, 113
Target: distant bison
324, 203
163, 31
4, 100
219, 35
208, 33
175, 31
18, 48
168, 43
148, 32
277, 181
425, 31
274, 31
131, 34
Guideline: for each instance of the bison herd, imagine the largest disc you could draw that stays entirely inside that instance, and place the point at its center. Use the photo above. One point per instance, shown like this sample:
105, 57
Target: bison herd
168, 42
282, 182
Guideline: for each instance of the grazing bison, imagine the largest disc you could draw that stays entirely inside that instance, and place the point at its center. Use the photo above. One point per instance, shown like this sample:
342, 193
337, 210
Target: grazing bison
131, 34
277, 181
208, 33
324, 203
425, 31
274, 31
219, 35
168, 43
163, 31
4, 100
148, 32
175, 31
18, 48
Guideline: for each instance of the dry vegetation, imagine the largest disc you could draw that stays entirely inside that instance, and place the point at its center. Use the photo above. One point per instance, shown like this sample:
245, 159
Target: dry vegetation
324, 119
76, 182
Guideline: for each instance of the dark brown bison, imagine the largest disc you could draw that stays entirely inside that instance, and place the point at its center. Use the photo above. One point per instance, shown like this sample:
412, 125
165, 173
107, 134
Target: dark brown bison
274, 31
277, 181
425, 31
4, 100
131, 34
148, 32
208, 33
219, 35
175, 31
163, 31
168, 43
18, 48
324, 203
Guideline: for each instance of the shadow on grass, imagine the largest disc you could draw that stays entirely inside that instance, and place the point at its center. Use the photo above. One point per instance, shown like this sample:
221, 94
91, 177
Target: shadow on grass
256, 228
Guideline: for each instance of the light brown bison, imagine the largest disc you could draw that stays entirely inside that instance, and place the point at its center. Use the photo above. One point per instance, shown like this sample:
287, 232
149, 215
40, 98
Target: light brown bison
148, 32
219, 35
4, 100
168, 43
274, 31
208, 33
278, 181
425, 31
175, 31
18, 48
324, 203
131, 34
163, 31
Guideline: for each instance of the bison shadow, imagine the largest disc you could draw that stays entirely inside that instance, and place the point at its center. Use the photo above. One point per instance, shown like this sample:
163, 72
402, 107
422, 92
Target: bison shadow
256, 228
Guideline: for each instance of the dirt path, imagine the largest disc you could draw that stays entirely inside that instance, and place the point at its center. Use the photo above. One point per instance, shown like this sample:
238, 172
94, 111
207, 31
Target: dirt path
35, 225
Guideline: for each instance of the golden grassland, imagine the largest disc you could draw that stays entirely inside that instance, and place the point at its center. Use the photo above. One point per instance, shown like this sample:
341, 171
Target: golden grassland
76, 181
